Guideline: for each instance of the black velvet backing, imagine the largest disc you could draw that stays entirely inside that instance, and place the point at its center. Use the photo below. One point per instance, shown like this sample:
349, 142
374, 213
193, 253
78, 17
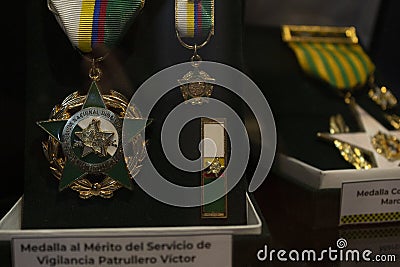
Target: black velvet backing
55, 70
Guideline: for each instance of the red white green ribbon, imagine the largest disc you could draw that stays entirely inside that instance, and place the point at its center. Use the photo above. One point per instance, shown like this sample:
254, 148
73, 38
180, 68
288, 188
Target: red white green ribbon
88, 23
194, 18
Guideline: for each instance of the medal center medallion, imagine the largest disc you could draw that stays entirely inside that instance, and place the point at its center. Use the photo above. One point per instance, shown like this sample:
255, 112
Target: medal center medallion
91, 139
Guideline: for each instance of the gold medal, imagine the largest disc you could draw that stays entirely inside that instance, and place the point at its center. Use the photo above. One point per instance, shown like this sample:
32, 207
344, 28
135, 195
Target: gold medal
84, 148
196, 85
194, 20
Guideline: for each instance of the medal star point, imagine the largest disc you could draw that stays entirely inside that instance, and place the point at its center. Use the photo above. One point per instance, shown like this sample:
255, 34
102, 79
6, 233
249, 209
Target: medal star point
94, 98
53, 127
386, 154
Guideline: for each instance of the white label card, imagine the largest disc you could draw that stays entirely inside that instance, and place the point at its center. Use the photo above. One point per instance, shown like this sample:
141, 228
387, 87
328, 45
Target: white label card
123, 251
370, 202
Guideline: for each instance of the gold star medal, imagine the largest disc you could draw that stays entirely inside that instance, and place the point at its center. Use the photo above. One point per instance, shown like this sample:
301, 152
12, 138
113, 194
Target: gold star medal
84, 147
91, 161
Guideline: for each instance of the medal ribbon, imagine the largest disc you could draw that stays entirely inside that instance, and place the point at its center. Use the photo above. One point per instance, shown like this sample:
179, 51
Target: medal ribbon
343, 66
194, 18
88, 23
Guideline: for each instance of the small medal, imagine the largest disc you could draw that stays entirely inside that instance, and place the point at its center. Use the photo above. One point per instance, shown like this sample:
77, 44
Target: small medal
84, 147
196, 86
194, 20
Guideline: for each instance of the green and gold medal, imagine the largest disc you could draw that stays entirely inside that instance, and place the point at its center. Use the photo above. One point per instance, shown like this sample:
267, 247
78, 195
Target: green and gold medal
84, 147
334, 55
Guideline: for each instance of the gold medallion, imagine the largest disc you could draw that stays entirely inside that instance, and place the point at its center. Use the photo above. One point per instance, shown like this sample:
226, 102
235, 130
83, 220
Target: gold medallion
196, 86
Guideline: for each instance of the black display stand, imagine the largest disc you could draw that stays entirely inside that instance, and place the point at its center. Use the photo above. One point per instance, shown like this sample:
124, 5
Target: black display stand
55, 70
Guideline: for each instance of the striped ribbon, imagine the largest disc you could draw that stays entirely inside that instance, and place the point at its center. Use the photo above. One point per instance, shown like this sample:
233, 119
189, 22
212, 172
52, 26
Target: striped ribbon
194, 18
88, 23
343, 66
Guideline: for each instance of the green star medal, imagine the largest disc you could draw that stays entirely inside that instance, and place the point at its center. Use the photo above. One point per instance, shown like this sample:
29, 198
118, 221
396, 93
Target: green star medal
84, 147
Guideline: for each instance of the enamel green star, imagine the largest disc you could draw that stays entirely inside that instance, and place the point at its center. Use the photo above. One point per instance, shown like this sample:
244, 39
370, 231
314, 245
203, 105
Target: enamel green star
91, 140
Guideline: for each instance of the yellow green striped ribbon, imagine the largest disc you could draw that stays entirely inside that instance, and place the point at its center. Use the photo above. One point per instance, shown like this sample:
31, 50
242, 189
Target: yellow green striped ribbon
343, 66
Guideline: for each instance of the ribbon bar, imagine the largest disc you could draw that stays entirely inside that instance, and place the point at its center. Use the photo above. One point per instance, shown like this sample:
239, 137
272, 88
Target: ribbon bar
322, 34
214, 163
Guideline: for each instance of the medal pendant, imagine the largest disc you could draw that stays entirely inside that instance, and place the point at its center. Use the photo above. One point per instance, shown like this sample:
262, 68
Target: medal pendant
84, 147
196, 86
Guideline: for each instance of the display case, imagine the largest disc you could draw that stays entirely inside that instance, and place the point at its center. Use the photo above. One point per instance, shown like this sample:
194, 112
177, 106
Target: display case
240, 241
300, 203
56, 69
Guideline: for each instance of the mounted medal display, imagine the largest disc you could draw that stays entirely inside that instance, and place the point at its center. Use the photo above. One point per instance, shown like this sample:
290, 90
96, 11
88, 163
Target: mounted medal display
88, 176
335, 129
84, 148
334, 56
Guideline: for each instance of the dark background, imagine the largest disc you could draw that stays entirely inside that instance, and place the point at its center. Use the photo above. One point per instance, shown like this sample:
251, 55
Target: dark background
376, 21
360, 13
380, 33
379, 28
